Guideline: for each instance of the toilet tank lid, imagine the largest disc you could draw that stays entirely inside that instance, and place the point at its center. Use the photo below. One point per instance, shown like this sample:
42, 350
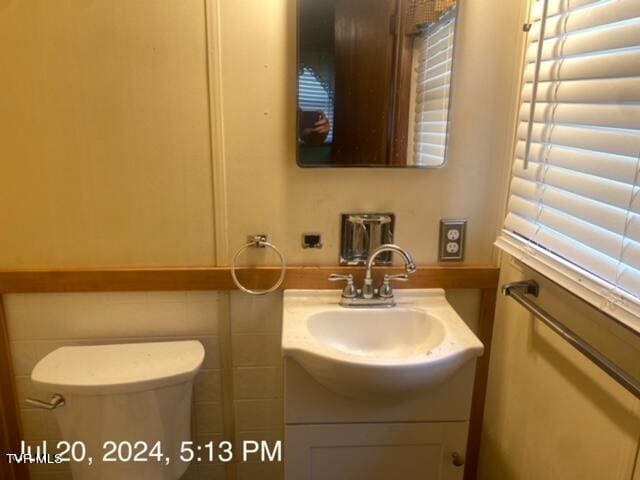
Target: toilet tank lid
110, 369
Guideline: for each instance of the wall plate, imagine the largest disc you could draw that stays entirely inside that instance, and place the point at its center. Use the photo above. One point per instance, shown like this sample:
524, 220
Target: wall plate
362, 233
452, 239
311, 240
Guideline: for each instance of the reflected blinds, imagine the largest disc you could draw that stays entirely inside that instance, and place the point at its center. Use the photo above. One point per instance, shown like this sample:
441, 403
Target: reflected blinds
313, 96
578, 200
432, 77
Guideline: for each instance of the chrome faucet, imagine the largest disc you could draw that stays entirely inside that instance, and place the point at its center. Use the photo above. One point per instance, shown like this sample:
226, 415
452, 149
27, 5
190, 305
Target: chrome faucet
369, 296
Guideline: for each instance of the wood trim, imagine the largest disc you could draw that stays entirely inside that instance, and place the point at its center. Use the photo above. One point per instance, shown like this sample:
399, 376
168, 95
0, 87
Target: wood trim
485, 334
402, 94
10, 429
219, 278
216, 131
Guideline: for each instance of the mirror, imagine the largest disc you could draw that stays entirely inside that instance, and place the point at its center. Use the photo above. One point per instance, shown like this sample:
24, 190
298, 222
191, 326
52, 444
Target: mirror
373, 82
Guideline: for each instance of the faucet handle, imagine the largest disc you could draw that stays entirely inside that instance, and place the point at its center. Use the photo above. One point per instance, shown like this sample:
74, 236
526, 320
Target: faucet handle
349, 290
400, 277
385, 290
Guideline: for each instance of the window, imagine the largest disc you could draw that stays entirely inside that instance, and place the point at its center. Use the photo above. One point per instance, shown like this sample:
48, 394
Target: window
313, 96
433, 61
574, 209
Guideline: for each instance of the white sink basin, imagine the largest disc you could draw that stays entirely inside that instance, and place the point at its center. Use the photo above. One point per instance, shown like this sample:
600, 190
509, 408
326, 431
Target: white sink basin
376, 353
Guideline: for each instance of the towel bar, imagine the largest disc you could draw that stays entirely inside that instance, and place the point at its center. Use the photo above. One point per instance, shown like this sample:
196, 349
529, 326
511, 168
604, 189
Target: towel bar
519, 291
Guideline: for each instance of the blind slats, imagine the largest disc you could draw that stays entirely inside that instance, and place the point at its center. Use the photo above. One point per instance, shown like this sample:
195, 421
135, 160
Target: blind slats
612, 193
579, 196
611, 90
440, 57
597, 115
433, 57
557, 7
596, 14
624, 63
607, 166
617, 36
439, 126
596, 213
616, 141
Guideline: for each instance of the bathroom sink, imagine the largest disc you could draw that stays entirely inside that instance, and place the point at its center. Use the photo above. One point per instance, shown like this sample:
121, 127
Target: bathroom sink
376, 352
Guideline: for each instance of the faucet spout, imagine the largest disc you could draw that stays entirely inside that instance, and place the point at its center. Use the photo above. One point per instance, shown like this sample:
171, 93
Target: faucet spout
367, 290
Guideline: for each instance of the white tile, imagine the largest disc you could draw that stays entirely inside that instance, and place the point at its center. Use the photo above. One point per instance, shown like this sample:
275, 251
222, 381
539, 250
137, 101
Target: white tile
262, 471
259, 415
207, 387
41, 320
208, 418
466, 302
211, 352
212, 472
191, 473
256, 314
202, 309
257, 382
142, 319
256, 350
26, 354
36, 475
112, 315
39, 425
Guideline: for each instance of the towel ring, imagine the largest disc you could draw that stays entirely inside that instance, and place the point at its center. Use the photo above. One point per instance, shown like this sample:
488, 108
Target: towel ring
258, 241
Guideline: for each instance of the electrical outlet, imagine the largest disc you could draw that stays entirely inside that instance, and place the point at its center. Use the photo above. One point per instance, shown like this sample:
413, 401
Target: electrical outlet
452, 233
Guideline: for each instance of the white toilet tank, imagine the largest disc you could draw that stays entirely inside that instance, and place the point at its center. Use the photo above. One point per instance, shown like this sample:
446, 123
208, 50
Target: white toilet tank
124, 394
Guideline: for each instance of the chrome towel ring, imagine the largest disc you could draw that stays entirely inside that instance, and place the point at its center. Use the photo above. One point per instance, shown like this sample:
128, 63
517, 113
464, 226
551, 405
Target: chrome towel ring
258, 241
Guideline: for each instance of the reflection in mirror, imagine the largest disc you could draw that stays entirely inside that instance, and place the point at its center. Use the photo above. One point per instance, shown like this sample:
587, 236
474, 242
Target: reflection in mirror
373, 82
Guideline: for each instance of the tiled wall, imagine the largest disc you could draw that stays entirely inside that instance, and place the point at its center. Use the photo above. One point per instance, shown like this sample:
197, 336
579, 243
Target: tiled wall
41, 323
256, 325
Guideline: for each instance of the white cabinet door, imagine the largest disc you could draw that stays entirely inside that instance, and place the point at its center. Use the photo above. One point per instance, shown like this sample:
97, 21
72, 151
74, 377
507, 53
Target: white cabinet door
381, 451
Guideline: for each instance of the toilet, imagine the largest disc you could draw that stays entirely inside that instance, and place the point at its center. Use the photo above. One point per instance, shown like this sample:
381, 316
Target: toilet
122, 401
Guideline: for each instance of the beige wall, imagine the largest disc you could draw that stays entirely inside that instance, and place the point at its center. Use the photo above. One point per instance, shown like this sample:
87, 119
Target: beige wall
104, 134
107, 155
550, 413
267, 192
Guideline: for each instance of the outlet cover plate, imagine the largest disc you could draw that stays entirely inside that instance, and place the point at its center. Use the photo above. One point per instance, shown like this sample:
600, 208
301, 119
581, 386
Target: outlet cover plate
452, 240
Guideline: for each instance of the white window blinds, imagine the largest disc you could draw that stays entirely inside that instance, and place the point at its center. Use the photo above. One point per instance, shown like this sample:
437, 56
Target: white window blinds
575, 210
433, 58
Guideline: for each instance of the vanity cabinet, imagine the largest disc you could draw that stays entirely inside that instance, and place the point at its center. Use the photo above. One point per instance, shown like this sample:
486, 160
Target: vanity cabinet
332, 437
375, 451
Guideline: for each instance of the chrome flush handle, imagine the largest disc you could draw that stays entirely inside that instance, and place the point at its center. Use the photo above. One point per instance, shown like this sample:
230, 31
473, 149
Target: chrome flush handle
349, 290
55, 402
